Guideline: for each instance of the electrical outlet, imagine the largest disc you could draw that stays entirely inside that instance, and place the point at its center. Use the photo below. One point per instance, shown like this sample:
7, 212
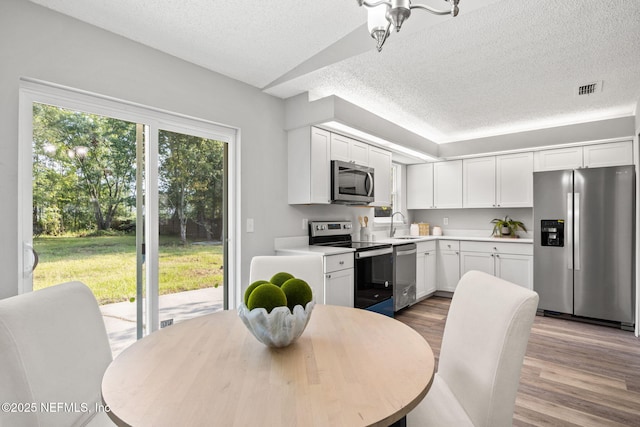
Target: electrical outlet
305, 223
165, 323
249, 225
445, 221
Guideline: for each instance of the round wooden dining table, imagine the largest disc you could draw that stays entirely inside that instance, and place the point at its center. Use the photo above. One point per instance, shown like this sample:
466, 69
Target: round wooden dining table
350, 367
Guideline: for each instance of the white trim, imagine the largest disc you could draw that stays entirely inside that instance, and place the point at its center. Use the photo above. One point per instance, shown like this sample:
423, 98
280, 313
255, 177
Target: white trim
32, 90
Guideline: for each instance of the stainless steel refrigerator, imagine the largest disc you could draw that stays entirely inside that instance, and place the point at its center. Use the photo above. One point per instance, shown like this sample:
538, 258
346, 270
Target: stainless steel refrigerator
584, 243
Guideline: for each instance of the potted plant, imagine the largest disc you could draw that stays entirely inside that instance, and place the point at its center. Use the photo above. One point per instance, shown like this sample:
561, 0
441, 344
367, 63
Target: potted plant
506, 227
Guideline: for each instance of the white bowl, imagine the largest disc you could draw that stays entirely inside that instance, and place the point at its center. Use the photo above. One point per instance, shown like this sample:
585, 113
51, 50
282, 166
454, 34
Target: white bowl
278, 328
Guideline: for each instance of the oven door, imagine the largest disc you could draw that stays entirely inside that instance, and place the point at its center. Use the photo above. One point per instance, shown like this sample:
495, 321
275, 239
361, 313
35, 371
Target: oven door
351, 183
374, 280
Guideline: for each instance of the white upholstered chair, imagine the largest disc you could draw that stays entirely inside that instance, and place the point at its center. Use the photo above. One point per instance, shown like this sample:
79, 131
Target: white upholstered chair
306, 267
53, 350
483, 347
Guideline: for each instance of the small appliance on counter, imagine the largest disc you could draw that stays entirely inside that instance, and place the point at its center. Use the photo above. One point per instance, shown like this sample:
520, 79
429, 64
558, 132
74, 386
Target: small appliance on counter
373, 264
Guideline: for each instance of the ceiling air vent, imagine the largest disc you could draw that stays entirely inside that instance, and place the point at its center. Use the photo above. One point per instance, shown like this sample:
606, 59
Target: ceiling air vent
589, 88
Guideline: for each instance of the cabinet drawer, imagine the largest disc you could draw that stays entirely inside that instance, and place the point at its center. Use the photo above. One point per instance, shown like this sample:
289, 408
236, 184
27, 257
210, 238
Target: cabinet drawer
338, 262
426, 246
449, 245
497, 247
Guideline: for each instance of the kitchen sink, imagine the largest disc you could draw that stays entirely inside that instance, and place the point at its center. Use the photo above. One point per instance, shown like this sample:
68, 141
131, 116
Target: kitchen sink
409, 237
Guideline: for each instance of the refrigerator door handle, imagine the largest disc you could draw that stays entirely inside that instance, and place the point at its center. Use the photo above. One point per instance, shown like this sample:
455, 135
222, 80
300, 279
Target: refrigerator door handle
576, 230
569, 226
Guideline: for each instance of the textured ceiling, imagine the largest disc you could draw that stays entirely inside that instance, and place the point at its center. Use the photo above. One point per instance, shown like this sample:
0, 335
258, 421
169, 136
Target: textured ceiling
499, 67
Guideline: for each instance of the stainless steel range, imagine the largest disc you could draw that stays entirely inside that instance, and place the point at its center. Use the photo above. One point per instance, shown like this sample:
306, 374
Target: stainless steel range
373, 287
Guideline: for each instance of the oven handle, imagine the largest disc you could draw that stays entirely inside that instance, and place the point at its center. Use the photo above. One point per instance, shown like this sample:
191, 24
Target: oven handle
374, 252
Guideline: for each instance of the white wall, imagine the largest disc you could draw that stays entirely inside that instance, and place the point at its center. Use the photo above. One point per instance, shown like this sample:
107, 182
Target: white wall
38, 43
472, 219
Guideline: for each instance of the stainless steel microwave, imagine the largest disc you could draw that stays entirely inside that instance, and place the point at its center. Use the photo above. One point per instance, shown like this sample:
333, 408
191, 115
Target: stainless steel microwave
351, 184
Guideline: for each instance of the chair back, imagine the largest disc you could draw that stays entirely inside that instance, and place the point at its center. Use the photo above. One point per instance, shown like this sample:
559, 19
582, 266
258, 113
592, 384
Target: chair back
306, 267
483, 346
54, 350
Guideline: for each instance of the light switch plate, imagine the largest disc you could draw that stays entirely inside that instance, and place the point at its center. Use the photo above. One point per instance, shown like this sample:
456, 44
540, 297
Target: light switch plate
249, 225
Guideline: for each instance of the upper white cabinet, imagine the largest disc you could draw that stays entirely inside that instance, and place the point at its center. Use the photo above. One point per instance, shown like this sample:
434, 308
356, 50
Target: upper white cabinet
587, 156
420, 186
611, 154
514, 180
380, 161
309, 166
310, 151
349, 150
479, 182
498, 181
447, 184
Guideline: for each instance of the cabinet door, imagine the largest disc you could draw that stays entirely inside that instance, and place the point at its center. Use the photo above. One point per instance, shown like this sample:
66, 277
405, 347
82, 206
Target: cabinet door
420, 186
308, 166
557, 159
610, 154
480, 261
320, 185
380, 161
339, 288
479, 182
516, 269
349, 150
421, 277
430, 268
359, 153
340, 147
514, 180
447, 184
448, 270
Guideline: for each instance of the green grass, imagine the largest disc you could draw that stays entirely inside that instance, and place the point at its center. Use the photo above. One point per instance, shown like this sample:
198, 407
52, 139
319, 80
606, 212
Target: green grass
107, 264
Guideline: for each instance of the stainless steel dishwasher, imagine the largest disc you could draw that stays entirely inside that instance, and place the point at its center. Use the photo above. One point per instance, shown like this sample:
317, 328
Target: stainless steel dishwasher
404, 275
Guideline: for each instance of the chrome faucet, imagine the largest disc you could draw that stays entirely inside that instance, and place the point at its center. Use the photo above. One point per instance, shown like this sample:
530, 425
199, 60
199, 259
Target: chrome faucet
392, 231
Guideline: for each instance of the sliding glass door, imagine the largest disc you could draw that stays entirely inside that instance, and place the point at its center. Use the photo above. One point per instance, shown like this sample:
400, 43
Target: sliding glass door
132, 202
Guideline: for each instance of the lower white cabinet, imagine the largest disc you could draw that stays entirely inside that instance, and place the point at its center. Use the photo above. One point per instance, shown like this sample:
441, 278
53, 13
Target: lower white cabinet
510, 261
338, 280
448, 265
426, 269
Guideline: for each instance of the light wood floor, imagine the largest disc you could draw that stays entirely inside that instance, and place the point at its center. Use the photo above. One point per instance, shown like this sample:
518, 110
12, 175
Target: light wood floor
574, 374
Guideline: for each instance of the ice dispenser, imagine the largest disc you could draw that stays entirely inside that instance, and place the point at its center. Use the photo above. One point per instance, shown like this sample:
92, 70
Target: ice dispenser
552, 232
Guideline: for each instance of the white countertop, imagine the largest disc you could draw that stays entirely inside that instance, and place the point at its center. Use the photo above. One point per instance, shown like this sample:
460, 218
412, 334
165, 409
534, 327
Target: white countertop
469, 238
300, 246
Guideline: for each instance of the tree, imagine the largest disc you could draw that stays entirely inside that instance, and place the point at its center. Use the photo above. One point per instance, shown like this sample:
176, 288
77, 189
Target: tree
191, 181
84, 165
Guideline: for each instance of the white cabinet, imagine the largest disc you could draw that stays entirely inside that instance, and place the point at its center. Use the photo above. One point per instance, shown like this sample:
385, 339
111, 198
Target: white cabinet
510, 261
380, 161
448, 265
420, 186
339, 280
557, 159
611, 154
479, 182
514, 180
587, 156
425, 269
349, 149
447, 184
498, 181
309, 173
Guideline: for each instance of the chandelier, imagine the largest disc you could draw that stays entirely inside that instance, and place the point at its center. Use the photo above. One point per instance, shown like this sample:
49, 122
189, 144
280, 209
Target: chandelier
383, 14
